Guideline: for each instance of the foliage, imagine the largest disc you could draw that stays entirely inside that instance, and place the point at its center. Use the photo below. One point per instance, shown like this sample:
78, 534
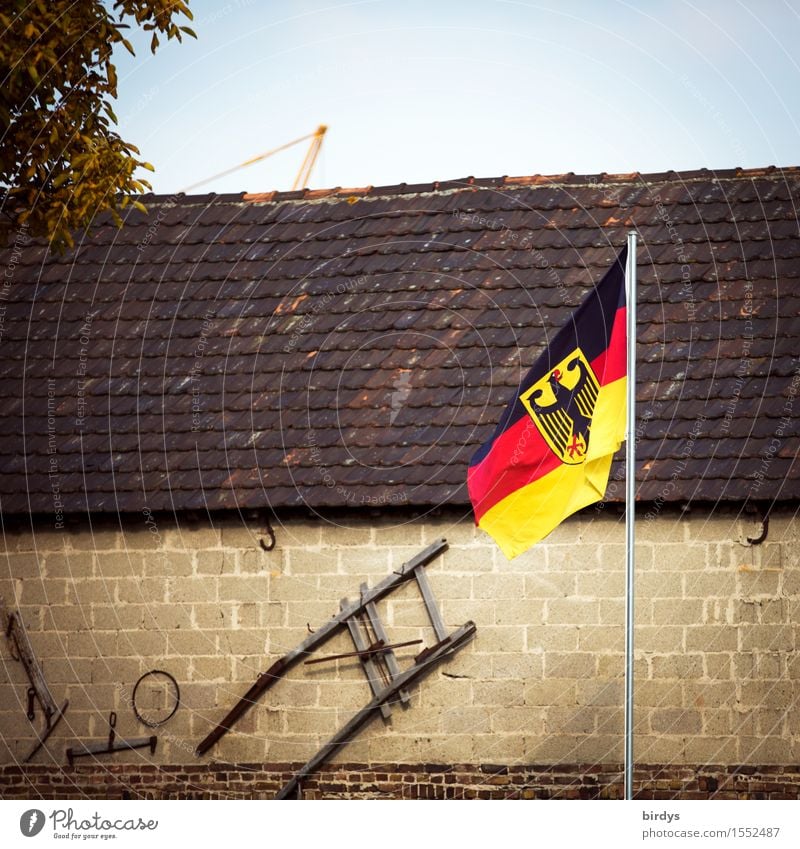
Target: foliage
61, 162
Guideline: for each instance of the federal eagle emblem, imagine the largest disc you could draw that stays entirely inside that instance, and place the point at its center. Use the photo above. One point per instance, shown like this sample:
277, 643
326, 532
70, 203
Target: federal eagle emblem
561, 405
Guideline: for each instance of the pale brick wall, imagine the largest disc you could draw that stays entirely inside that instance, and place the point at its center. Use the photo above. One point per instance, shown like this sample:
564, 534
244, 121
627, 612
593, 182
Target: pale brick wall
718, 679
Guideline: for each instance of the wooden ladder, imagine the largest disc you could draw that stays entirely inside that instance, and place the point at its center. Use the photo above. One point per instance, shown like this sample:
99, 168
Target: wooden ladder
387, 682
372, 643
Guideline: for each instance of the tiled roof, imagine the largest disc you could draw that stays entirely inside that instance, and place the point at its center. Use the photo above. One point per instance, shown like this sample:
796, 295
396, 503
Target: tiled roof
355, 346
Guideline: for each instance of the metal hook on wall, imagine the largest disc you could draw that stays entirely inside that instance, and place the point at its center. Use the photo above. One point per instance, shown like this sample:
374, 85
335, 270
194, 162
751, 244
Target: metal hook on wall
764, 519
271, 534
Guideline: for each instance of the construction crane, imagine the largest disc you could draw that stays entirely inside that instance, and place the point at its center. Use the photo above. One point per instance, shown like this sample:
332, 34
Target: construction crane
303, 174
312, 153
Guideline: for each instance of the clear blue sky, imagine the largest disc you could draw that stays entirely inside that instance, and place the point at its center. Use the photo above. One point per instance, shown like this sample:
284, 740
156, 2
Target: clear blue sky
420, 90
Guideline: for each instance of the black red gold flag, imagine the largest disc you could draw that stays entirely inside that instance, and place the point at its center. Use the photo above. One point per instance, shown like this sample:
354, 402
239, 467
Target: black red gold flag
551, 452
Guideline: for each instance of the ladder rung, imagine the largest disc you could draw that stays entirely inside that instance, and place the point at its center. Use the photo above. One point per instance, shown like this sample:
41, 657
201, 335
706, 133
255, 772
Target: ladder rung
430, 604
368, 663
389, 655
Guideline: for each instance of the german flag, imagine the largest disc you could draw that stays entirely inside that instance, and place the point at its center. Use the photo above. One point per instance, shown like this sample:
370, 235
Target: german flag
551, 453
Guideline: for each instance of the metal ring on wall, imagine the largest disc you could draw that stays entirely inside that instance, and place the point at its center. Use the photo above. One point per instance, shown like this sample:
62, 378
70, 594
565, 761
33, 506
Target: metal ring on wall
177, 695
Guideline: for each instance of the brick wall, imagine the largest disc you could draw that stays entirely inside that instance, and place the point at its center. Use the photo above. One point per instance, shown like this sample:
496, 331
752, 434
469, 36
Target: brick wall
717, 673
399, 781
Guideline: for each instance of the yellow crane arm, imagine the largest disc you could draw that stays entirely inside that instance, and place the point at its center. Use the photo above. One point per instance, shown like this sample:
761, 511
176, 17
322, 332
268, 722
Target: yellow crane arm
305, 169
301, 180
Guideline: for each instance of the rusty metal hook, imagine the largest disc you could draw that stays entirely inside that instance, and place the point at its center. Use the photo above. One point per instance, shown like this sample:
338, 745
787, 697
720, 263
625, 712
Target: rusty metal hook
112, 724
764, 519
271, 535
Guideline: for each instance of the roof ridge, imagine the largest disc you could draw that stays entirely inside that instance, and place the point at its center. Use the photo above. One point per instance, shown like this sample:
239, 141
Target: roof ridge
570, 178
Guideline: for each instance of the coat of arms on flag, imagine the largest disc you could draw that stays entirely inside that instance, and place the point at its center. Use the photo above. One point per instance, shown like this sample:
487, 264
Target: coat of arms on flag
562, 404
551, 452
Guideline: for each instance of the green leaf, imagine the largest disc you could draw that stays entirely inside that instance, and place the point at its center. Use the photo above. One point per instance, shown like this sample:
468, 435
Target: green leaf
63, 160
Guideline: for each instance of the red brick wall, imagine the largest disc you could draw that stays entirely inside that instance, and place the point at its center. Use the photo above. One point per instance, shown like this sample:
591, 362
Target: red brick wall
403, 781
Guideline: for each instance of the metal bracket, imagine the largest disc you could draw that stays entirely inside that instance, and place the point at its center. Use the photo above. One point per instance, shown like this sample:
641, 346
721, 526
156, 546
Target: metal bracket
83, 750
20, 648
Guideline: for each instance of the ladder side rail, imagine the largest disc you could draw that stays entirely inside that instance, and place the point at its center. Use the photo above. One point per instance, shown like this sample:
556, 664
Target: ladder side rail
430, 604
434, 655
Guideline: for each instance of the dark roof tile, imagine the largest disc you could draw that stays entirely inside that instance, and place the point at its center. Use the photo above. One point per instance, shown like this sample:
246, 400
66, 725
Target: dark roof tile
244, 347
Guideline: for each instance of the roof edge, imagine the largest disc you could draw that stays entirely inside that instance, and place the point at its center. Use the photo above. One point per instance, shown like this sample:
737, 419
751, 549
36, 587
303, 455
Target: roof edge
356, 193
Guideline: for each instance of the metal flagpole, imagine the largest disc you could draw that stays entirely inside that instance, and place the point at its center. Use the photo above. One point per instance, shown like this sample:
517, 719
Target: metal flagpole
630, 507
